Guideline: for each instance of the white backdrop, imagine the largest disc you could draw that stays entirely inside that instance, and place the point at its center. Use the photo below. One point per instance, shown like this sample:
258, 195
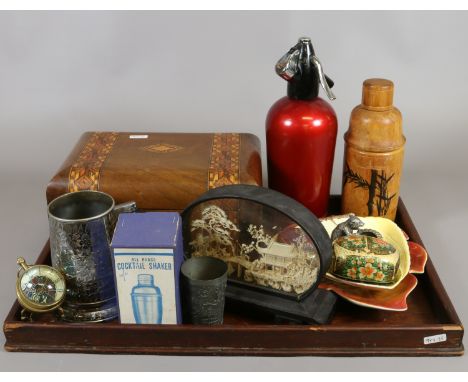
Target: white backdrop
62, 73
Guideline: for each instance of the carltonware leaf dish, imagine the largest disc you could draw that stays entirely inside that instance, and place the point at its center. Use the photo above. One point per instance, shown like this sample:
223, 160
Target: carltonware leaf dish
377, 296
382, 299
391, 234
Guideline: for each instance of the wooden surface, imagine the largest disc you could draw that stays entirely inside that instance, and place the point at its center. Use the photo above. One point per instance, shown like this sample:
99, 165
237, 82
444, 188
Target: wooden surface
354, 331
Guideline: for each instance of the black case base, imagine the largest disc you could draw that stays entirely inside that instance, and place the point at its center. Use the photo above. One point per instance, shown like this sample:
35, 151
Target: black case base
317, 308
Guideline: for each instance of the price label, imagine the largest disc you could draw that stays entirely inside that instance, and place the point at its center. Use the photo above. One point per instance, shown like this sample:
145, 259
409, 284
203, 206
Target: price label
435, 339
139, 136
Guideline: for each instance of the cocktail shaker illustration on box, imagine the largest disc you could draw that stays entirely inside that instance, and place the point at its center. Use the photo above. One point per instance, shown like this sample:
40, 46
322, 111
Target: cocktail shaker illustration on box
147, 301
147, 256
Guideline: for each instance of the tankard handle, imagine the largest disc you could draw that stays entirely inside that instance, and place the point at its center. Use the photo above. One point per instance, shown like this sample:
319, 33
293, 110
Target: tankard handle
125, 207
118, 209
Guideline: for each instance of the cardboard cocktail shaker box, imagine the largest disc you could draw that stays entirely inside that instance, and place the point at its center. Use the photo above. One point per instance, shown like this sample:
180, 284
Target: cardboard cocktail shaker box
147, 256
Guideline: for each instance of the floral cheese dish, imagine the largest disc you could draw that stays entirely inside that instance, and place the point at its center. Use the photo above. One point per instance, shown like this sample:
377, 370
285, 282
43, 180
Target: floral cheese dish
364, 258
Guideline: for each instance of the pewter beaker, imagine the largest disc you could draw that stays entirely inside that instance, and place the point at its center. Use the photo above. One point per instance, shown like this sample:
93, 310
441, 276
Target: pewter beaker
203, 290
81, 228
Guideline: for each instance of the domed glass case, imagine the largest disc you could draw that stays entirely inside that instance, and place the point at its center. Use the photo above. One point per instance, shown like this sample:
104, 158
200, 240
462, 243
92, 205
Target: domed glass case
276, 250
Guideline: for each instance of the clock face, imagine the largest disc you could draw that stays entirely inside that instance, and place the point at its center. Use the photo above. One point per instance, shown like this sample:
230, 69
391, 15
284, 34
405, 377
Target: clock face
43, 286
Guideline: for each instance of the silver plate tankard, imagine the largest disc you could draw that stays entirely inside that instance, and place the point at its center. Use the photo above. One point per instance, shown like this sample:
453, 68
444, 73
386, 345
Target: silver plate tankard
81, 227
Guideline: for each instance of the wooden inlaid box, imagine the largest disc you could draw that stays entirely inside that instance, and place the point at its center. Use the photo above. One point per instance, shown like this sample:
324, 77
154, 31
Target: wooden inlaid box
159, 171
430, 327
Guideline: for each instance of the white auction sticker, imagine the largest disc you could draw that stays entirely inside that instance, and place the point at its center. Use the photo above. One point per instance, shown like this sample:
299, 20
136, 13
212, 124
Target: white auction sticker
435, 339
141, 136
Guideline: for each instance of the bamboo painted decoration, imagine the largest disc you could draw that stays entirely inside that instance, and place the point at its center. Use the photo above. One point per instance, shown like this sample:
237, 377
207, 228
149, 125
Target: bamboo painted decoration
374, 153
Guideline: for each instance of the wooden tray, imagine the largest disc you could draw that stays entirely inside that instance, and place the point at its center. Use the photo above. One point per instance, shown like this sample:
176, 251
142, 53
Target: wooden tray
354, 331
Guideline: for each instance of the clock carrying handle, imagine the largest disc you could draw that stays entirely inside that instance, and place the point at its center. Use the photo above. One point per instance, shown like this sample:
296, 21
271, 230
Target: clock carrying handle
23, 266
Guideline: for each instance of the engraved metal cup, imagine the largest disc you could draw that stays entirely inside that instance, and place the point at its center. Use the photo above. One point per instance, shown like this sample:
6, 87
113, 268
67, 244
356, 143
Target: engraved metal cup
203, 290
81, 228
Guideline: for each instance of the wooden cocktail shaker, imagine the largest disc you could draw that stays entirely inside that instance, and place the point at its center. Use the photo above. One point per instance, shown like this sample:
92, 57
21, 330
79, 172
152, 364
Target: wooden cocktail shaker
374, 149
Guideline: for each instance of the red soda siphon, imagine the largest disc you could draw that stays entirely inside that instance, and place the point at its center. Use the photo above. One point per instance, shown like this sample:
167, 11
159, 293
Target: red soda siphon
301, 131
